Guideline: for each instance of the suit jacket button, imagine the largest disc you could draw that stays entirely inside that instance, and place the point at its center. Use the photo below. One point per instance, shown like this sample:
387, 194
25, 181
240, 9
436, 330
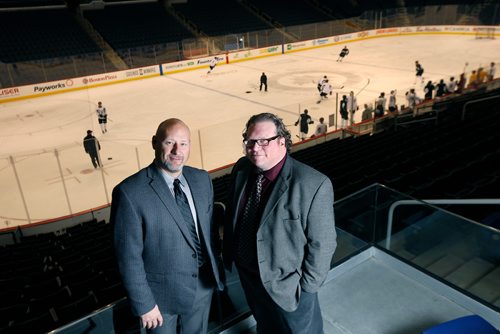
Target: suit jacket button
194, 275
194, 256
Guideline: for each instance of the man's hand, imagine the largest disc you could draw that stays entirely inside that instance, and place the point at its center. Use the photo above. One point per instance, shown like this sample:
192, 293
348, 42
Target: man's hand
152, 319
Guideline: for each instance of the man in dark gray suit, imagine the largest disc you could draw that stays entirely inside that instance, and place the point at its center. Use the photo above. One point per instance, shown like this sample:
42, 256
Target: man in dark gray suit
284, 248
162, 219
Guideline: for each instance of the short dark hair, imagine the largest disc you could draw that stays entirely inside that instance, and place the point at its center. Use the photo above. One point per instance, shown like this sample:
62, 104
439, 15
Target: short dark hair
281, 129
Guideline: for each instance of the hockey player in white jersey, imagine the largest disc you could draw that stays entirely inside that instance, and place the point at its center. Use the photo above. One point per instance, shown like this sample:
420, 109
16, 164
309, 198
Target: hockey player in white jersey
102, 117
321, 82
213, 62
352, 106
326, 89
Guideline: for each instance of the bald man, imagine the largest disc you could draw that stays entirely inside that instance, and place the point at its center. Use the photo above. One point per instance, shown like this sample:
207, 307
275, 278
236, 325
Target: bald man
162, 218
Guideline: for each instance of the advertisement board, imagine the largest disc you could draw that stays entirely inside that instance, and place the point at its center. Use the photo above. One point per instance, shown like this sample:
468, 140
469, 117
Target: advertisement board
68, 85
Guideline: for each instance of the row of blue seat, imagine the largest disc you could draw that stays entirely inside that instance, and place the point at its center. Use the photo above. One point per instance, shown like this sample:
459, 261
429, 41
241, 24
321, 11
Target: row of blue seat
50, 279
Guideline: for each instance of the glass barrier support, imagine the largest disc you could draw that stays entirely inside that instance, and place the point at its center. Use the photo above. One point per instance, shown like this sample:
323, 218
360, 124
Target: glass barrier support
56, 153
13, 164
137, 157
431, 201
201, 151
103, 177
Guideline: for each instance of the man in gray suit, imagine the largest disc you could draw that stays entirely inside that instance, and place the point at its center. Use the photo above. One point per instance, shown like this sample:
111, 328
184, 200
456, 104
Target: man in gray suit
284, 248
162, 219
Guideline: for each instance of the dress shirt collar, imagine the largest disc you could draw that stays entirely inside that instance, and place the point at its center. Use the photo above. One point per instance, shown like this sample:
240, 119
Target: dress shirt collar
169, 179
272, 174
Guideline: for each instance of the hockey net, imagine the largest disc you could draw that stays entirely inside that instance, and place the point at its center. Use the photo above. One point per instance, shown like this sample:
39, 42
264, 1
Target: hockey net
485, 33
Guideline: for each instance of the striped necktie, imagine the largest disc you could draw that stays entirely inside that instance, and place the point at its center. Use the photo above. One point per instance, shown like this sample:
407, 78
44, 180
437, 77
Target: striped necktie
247, 244
183, 204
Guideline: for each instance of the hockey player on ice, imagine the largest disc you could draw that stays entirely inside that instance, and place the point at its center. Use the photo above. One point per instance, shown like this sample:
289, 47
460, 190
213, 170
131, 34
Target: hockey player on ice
102, 116
326, 89
321, 82
343, 53
419, 70
213, 62
352, 106
304, 121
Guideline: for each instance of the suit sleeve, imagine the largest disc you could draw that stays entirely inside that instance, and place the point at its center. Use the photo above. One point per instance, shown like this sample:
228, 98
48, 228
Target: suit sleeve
321, 238
128, 242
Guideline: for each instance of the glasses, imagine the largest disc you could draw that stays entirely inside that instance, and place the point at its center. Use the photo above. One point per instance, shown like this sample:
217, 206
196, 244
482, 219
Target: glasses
260, 142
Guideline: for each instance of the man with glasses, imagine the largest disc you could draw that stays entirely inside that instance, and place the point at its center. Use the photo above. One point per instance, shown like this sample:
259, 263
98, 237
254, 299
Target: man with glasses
279, 231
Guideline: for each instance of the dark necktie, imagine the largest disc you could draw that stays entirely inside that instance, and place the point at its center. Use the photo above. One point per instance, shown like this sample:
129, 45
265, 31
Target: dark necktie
247, 243
183, 204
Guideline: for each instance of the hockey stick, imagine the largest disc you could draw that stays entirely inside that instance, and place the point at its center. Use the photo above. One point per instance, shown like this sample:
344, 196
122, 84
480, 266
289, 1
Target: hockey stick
362, 89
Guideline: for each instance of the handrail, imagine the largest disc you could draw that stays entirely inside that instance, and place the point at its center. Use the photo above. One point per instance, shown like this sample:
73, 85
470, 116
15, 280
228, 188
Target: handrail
88, 317
394, 205
416, 121
475, 101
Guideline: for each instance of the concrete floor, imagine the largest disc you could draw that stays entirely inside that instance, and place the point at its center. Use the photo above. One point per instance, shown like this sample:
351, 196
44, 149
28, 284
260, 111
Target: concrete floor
374, 293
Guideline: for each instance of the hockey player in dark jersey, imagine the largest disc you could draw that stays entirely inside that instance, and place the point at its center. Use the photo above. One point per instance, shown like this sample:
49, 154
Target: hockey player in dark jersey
343, 53
419, 71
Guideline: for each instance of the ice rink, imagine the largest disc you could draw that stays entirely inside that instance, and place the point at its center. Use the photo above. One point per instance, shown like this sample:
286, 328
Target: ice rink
44, 135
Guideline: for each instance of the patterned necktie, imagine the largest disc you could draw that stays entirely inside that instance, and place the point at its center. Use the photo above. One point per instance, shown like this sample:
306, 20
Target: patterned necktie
183, 204
247, 243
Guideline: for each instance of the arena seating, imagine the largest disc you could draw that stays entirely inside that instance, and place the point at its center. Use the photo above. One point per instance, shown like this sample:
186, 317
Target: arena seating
227, 17
49, 280
463, 325
42, 34
289, 13
339, 10
137, 24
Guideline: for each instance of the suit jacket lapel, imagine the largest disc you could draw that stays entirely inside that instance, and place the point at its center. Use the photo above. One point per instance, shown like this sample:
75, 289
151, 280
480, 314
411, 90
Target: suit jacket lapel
161, 189
280, 188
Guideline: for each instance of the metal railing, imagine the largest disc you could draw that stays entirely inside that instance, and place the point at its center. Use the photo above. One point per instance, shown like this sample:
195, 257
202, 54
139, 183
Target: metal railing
396, 204
464, 109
